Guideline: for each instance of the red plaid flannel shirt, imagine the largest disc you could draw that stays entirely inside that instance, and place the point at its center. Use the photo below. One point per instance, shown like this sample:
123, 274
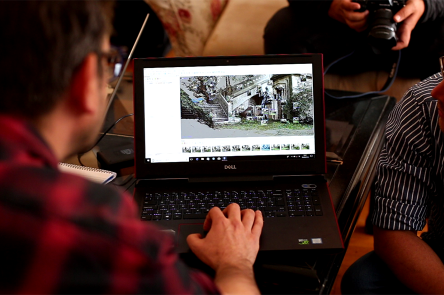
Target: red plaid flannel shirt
60, 233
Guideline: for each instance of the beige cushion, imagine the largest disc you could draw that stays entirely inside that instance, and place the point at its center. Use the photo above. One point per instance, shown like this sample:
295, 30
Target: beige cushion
188, 23
240, 28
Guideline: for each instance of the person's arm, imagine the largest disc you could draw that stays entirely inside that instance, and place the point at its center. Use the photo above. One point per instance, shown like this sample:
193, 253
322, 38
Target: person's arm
411, 260
408, 17
405, 188
230, 247
433, 10
345, 12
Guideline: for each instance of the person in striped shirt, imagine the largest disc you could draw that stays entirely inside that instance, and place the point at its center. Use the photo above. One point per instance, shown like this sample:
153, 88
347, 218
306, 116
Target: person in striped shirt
409, 194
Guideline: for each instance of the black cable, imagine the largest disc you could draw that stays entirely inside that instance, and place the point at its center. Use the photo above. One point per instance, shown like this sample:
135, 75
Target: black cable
101, 137
78, 159
336, 61
111, 127
387, 85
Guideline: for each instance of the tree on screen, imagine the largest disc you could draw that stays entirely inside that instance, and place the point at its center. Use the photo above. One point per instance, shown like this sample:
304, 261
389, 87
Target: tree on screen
187, 105
203, 87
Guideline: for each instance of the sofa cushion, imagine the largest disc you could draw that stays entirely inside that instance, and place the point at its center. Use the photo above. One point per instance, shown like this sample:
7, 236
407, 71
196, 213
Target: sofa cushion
188, 23
240, 28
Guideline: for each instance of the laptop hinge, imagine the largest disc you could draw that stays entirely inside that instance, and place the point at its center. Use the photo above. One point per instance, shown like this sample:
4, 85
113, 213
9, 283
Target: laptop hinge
255, 178
232, 178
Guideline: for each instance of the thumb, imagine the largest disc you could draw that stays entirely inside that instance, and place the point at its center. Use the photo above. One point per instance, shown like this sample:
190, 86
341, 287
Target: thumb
194, 240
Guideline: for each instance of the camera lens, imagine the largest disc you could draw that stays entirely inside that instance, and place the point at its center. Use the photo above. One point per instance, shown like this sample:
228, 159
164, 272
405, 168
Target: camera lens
382, 35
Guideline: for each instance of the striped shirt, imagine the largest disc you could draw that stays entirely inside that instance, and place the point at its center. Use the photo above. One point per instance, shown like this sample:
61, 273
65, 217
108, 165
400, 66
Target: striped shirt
410, 181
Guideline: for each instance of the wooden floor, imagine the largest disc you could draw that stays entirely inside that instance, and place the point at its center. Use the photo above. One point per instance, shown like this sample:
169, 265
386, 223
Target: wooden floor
360, 244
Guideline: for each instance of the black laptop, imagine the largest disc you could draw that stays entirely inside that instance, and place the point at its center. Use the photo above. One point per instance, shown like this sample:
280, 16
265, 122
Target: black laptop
210, 131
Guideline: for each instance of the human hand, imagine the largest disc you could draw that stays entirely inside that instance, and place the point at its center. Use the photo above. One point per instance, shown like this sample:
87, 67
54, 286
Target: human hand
345, 12
232, 239
409, 15
230, 247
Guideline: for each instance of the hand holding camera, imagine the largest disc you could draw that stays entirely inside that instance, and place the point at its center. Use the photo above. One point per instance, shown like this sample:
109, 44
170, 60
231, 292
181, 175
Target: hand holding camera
346, 11
407, 18
391, 22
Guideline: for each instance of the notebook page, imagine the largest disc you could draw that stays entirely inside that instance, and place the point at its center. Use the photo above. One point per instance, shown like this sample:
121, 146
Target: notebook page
93, 174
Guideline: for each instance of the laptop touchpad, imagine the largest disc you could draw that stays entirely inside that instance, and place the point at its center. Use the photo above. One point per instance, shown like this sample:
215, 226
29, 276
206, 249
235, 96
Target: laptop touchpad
184, 231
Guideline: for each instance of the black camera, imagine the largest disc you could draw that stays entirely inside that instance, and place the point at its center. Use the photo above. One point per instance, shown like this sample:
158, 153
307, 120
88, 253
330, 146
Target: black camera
382, 28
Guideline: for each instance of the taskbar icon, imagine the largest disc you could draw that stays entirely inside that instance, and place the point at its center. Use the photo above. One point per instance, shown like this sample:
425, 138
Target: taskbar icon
207, 159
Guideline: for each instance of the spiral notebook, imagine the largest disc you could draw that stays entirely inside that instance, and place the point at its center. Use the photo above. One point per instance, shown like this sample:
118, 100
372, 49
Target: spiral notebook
93, 174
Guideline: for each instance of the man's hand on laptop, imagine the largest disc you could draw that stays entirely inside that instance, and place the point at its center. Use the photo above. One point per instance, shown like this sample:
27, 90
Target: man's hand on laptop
230, 247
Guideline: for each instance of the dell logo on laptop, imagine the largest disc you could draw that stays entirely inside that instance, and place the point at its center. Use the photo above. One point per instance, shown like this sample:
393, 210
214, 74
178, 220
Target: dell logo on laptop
230, 166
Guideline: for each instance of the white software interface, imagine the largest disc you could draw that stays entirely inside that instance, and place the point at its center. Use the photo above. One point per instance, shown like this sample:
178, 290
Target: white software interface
212, 113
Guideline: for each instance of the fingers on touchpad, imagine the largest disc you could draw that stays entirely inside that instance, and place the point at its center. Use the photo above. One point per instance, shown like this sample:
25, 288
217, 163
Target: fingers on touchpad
183, 232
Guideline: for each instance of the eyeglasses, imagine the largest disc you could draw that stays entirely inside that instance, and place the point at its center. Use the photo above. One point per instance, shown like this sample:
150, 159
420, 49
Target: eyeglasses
441, 63
114, 63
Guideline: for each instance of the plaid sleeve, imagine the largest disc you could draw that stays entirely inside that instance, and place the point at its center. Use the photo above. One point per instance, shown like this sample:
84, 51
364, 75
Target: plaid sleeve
73, 236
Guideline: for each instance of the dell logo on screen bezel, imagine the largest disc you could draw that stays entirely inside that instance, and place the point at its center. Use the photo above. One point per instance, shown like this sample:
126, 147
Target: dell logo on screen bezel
230, 167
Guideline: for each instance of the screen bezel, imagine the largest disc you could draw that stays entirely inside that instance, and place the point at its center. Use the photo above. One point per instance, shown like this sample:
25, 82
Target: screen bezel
224, 168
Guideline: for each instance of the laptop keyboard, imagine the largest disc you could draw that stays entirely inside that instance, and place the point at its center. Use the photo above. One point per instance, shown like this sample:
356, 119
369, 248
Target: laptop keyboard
196, 204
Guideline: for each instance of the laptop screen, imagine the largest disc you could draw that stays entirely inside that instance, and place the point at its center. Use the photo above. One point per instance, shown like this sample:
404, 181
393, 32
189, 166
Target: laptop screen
201, 114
